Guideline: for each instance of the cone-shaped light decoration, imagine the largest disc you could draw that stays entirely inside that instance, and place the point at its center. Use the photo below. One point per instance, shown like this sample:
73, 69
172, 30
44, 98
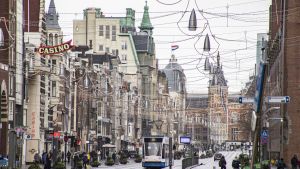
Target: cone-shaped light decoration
211, 68
1, 38
206, 64
206, 46
86, 82
193, 21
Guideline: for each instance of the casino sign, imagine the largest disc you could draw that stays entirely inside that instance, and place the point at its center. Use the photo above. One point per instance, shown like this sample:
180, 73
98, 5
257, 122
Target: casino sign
50, 50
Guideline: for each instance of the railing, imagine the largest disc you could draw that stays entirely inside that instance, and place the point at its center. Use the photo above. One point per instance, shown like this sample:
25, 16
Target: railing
188, 162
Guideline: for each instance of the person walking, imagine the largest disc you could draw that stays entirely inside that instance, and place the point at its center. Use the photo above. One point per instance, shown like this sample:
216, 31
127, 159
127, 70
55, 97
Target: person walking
47, 164
294, 162
236, 163
114, 156
84, 160
222, 163
281, 164
69, 156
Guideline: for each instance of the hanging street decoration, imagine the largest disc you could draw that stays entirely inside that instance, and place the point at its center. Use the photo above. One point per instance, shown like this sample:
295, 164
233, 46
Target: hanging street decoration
50, 50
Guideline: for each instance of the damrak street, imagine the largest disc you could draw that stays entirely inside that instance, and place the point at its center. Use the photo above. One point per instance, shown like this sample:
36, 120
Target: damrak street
178, 84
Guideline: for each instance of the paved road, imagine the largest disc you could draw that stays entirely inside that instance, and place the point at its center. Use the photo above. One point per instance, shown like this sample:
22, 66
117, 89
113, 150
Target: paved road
133, 165
209, 163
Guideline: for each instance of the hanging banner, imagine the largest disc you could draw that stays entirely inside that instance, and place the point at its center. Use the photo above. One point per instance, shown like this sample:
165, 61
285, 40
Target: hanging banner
50, 50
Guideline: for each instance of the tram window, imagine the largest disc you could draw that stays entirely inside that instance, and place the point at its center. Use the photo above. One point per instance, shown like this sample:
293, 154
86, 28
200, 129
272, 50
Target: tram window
152, 149
163, 151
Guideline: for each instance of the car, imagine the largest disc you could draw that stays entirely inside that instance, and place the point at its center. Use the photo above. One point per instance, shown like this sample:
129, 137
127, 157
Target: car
132, 154
217, 156
3, 162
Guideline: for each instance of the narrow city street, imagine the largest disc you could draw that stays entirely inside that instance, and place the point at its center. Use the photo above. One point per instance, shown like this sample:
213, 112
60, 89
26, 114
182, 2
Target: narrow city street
209, 163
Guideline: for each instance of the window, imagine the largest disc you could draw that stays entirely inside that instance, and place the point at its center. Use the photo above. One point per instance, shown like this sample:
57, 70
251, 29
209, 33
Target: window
234, 133
50, 39
107, 49
101, 31
53, 66
124, 57
113, 33
107, 32
54, 89
56, 39
113, 52
100, 47
124, 45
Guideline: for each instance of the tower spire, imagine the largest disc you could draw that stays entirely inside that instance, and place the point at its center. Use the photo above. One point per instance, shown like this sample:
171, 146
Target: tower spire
146, 23
52, 17
218, 59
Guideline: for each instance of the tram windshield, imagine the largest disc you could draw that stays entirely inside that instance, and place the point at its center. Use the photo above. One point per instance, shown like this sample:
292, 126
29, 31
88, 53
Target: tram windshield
153, 146
153, 149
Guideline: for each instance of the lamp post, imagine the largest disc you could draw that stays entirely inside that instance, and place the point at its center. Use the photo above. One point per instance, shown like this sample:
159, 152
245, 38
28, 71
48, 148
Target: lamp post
266, 124
281, 125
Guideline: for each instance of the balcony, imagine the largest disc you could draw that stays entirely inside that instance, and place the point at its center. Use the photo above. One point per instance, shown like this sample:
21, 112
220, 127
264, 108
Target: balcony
39, 69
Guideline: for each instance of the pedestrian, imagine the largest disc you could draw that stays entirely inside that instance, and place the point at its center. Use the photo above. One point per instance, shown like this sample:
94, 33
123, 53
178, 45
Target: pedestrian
281, 164
37, 158
99, 155
84, 160
236, 163
47, 164
222, 163
114, 156
44, 156
294, 162
107, 154
69, 156
62, 156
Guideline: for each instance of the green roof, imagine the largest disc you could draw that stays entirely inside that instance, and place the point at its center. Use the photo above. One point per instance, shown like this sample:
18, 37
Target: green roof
146, 23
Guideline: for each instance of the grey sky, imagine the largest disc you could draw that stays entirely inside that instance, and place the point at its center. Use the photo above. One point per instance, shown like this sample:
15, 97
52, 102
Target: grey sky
237, 41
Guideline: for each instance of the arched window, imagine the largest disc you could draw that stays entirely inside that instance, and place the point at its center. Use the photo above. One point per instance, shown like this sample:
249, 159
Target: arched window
56, 39
50, 39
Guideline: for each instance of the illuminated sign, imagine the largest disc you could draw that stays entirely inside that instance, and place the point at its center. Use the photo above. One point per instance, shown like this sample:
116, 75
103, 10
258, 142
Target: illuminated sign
50, 50
185, 140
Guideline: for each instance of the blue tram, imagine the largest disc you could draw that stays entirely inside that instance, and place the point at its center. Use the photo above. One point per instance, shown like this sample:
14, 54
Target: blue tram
156, 152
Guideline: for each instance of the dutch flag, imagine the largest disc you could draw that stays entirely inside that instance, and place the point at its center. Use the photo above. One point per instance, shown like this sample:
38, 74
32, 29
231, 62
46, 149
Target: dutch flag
174, 47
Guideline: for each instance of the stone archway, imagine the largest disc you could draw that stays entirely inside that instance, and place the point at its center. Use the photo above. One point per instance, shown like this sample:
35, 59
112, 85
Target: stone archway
4, 119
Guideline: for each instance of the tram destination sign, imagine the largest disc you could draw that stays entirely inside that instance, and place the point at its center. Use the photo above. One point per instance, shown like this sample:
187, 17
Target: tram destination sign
185, 139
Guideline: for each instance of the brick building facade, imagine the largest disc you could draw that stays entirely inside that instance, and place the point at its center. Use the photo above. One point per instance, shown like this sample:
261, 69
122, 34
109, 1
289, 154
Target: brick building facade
283, 57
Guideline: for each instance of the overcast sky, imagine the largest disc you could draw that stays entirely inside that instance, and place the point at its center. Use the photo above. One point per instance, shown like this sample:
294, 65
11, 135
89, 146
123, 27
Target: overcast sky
236, 34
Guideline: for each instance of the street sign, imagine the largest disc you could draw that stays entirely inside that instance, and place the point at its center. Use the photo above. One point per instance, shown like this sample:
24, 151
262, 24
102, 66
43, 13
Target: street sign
259, 86
246, 100
264, 133
277, 99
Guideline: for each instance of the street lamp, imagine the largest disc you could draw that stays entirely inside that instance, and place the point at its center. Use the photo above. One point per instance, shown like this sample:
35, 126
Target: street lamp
158, 123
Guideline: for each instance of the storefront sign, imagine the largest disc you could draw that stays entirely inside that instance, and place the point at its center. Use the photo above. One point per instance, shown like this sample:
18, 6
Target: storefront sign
50, 50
